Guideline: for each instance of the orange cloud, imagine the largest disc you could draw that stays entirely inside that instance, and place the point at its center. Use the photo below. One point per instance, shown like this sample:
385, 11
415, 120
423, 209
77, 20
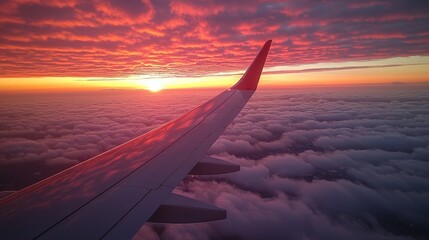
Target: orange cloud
198, 38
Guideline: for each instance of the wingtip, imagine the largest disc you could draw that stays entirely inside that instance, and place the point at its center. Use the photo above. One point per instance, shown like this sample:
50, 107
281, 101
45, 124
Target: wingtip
250, 79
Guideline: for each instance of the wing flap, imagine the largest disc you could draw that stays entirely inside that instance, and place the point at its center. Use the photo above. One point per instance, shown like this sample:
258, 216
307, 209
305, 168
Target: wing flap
181, 209
210, 165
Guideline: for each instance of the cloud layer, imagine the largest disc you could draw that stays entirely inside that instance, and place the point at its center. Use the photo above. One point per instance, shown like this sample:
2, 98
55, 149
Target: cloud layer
317, 163
118, 38
326, 163
42, 134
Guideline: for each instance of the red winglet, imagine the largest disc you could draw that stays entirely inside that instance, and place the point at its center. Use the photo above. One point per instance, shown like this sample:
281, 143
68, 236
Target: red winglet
250, 79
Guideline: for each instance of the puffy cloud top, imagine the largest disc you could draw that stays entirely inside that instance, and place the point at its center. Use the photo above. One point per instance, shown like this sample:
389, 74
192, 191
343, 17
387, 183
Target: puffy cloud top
317, 163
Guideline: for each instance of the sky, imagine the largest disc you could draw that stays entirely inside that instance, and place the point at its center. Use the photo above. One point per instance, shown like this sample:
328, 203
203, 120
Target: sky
80, 45
338, 162
333, 145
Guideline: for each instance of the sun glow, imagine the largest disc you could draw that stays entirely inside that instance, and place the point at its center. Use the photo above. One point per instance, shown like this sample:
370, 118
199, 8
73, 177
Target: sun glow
154, 86
408, 70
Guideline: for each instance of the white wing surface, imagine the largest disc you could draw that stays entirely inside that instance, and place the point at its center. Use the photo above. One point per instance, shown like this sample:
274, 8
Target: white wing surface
110, 196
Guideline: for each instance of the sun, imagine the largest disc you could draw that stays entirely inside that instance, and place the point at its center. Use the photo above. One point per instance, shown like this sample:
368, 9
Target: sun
154, 86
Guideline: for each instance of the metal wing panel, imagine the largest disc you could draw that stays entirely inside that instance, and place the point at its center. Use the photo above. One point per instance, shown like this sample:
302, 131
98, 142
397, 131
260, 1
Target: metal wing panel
206, 133
121, 188
94, 219
59, 196
172, 158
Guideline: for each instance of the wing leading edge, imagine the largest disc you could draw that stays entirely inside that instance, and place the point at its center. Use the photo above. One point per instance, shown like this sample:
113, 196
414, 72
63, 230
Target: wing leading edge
112, 194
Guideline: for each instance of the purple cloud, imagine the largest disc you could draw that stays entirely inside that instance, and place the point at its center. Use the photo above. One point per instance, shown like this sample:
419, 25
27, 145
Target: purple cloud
317, 163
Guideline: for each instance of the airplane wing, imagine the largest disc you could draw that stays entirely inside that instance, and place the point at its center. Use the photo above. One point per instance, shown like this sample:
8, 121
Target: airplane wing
111, 195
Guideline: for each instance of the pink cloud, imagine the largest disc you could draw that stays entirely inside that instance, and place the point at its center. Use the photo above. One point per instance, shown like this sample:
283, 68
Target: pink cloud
199, 36
196, 8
